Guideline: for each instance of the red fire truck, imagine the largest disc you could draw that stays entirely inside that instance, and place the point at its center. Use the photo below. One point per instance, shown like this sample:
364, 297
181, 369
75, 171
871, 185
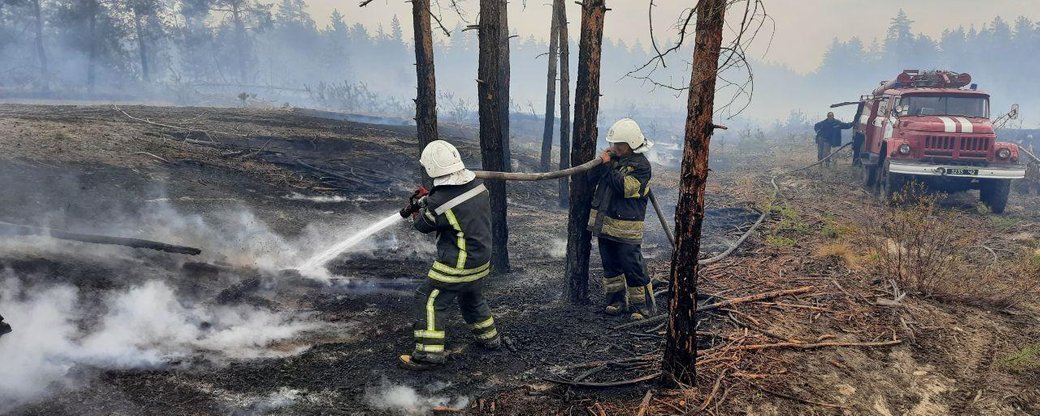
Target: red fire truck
934, 127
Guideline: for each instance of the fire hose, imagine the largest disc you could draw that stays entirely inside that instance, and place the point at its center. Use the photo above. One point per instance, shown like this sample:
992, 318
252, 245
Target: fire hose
584, 167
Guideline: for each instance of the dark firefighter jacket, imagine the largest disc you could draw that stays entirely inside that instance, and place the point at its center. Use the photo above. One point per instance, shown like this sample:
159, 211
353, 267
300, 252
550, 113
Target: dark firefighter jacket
830, 130
461, 217
619, 204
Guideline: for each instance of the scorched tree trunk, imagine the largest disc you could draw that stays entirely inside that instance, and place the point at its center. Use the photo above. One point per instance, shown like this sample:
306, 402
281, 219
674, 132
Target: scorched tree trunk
491, 141
426, 81
550, 87
503, 84
586, 108
565, 104
680, 352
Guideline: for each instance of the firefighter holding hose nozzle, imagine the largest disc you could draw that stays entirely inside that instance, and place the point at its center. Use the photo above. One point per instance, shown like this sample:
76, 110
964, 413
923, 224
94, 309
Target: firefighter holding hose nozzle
622, 185
458, 210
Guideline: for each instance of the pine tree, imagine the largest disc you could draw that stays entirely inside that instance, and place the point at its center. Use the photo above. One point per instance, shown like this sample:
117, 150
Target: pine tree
396, 34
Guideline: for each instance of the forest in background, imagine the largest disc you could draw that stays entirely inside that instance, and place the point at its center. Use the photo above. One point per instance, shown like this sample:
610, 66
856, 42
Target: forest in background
242, 52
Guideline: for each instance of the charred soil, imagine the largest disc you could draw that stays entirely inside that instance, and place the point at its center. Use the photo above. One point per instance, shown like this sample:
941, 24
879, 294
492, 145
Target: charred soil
286, 176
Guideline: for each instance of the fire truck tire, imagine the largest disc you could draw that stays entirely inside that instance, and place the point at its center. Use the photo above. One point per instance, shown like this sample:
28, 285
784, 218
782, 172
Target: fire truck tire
870, 174
890, 183
994, 193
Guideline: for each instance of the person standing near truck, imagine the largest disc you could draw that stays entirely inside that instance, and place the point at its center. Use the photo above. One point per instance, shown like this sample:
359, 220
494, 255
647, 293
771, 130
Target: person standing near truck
828, 136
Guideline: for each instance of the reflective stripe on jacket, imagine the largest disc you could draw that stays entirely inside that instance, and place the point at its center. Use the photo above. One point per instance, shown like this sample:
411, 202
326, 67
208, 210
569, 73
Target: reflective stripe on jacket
619, 204
461, 217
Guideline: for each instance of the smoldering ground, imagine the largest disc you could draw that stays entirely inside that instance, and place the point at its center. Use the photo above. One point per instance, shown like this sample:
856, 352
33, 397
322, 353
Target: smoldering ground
79, 309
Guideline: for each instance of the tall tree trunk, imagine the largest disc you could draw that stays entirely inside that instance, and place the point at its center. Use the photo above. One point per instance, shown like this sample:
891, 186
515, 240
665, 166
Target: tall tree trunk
586, 109
40, 53
141, 47
240, 39
92, 56
565, 104
426, 81
503, 86
491, 140
680, 352
550, 87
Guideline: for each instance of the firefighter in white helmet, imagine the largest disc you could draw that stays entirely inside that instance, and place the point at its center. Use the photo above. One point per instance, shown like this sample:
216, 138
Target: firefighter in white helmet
458, 210
618, 210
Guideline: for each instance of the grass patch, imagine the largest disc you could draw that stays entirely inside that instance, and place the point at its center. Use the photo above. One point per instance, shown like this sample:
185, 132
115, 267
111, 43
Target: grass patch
779, 241
929, 251
1026, 359
853, 257
790, 220
1004, 223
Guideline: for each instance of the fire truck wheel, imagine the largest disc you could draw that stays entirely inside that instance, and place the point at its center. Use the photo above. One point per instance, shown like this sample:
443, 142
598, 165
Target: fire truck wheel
891, 183
870, 174
994, 193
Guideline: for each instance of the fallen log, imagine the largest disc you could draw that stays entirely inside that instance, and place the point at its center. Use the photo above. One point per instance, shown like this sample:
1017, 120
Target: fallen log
727, 302
22, 230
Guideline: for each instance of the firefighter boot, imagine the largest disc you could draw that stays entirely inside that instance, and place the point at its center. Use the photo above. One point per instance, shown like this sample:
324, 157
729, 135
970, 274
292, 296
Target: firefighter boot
615, 293
493, 344
419, 360
486, 333
641, 302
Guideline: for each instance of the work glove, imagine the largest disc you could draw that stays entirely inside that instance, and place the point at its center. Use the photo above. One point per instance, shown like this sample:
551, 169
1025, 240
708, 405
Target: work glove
416, 202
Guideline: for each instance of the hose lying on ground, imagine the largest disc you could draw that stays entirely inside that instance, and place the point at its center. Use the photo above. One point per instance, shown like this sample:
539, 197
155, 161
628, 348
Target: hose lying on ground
17, 229
762, 217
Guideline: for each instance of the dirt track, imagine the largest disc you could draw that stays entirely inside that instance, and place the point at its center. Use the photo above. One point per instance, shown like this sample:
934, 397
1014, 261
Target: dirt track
93, 169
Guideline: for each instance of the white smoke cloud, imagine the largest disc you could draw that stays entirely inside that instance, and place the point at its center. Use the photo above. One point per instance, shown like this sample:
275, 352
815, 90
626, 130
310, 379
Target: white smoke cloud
144, 326
557, 248
323, 199
405, 400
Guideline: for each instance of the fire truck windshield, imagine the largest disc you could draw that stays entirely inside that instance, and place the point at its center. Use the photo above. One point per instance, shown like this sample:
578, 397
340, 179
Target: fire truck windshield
945, 105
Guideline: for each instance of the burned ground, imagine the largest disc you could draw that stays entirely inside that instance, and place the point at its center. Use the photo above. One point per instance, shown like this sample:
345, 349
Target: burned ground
258, 190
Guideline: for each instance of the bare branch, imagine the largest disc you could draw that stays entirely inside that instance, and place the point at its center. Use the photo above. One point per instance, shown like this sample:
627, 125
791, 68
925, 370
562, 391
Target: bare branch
752, 22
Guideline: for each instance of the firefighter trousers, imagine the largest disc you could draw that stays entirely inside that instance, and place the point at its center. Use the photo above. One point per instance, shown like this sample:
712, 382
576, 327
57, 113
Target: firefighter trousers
432, 300
624, 275
857, 148
823, 149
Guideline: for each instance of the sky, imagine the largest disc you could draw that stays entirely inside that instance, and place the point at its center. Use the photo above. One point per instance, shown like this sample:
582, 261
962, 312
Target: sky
797, 36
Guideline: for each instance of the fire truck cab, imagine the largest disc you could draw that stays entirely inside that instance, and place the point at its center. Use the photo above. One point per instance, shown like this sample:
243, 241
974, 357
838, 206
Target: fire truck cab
932, 127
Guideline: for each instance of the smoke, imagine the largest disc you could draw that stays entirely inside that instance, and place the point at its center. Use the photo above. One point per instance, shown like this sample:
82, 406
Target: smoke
145, 326
557, 248
235, 236
324, 199
405, 400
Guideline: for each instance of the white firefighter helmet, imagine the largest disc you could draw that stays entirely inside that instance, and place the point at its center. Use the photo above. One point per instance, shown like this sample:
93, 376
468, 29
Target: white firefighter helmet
440, 158
627, 130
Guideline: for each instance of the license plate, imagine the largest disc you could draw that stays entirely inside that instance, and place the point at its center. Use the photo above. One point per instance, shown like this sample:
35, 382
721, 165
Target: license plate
961, 171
